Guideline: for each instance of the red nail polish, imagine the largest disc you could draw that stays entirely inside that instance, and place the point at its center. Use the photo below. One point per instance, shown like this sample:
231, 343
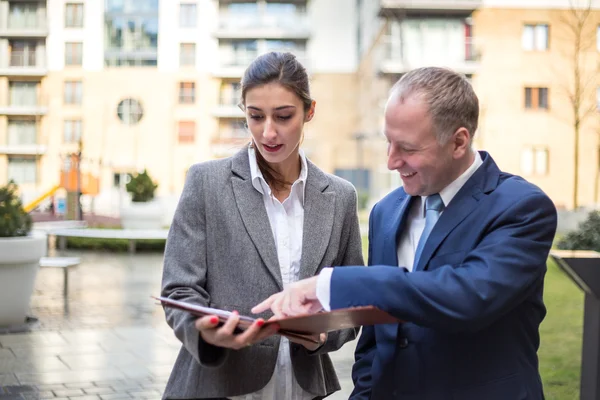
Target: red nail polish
260, 322
214, 320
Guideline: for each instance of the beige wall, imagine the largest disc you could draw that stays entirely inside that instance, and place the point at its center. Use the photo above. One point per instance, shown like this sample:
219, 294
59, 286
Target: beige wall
507, 127
110, 146
328, 140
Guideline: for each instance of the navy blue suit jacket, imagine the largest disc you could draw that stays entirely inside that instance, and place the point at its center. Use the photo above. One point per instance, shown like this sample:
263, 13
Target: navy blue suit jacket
473, 304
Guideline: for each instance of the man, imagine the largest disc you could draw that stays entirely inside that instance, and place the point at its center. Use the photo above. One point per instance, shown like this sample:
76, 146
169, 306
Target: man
459, 253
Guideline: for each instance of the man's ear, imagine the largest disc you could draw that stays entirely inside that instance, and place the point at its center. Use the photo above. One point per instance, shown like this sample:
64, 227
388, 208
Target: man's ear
311, 111
461, 141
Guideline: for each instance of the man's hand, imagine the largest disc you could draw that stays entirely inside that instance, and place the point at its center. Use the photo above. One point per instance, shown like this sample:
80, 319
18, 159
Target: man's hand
298, 298
320, 337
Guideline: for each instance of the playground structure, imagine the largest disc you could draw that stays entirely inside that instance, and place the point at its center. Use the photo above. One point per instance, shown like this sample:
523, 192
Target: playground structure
72, 181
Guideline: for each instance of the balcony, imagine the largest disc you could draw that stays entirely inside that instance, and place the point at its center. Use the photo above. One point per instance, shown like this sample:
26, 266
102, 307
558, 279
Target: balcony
465, 61
233, 66
402, 8
24, 64
23, 149
226, 146
263, 27
228, 107
24, 110
38, 30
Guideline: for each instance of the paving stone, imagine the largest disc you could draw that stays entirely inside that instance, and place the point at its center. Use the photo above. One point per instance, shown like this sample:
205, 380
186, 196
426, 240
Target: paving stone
115, 396
68, 392
99, 390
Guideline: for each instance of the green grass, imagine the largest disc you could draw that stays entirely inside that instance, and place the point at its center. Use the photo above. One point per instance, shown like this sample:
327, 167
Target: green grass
561, 335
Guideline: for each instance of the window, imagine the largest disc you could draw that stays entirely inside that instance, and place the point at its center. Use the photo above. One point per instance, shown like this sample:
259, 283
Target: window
536, 98
22, 169
73, 92
534, 161
231, 94
23, 15
22, 53
131, 33
535, 37
72, 131
21, 132
235, 130
187, 16
130, 111
187, 92
187, 132
74, 15
22, 93
120, 179
187, 54
73, 53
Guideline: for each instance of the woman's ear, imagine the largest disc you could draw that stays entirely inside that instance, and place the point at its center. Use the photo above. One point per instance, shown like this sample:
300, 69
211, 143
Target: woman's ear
311, 111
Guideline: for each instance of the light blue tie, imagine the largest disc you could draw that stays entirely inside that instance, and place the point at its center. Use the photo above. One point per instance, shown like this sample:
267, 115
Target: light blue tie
433, 208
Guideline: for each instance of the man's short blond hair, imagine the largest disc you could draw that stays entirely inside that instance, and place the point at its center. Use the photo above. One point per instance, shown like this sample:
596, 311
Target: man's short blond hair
450, 97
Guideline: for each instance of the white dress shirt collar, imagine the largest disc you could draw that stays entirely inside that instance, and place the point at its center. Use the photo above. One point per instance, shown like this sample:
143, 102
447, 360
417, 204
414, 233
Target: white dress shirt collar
448, 193
260, 184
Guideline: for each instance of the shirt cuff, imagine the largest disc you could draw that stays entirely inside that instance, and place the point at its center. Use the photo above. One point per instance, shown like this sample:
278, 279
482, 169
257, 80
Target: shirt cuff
323, 288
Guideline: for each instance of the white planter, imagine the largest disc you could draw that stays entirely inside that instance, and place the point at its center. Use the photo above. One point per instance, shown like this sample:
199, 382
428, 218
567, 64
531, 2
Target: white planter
148, 215
19, 264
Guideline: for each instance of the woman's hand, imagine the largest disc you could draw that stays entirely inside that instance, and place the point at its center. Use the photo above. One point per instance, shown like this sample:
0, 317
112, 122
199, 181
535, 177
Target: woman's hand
224, 336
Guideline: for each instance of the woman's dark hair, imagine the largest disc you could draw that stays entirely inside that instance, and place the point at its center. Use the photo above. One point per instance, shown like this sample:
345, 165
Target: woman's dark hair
285, 69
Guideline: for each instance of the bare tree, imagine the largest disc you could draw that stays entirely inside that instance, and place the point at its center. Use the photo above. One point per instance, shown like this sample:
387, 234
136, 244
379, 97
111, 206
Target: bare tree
579, 35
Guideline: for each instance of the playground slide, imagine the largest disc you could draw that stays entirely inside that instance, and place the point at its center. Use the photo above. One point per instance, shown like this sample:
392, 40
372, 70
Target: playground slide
31, 206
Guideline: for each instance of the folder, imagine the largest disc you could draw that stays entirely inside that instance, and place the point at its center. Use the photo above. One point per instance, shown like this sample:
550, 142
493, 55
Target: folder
300, 326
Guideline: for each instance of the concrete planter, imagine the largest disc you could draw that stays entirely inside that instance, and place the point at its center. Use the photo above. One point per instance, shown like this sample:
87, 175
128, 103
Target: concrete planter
147, 215
19, 264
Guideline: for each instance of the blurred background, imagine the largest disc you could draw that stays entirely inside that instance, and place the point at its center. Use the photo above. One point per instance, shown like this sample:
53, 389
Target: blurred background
92, 91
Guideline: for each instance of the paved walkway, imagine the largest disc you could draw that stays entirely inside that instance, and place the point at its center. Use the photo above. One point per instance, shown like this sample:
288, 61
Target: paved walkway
107, 341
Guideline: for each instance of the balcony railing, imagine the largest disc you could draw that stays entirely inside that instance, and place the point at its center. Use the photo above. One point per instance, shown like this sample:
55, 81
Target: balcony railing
23, 149
28, 28
389, 8
23, 59
264, 26
394, 59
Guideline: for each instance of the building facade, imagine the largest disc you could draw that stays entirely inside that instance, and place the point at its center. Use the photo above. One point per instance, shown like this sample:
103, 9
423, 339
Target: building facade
520, 57
155, 84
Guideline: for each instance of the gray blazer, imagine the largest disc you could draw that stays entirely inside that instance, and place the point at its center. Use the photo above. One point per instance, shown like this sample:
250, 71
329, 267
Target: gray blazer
221, 253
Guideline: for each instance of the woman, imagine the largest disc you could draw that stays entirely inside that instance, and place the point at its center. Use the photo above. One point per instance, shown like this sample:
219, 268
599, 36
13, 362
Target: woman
246, 227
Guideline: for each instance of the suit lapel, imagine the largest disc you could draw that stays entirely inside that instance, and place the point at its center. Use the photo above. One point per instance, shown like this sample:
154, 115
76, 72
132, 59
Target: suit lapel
319, 208
484, 180
254, 215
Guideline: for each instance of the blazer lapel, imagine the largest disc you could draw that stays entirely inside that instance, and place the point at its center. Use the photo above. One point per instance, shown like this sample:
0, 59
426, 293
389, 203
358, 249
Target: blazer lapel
393, 230
319, 208
484, 180
254, 215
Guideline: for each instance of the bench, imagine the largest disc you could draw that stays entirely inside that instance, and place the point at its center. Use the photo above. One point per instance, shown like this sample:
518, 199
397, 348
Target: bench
128, 234
66, 263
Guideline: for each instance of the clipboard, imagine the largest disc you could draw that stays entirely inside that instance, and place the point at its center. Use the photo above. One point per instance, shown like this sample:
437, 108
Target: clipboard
300, 326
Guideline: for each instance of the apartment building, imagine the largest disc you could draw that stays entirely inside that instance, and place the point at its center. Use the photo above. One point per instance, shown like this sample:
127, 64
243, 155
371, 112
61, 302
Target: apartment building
524, 84
23, 103
155, 84
519, 55
396, 36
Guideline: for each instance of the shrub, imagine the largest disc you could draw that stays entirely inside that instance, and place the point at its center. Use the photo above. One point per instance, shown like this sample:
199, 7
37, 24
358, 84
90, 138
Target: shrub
141, 187
14, 221
587, 237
